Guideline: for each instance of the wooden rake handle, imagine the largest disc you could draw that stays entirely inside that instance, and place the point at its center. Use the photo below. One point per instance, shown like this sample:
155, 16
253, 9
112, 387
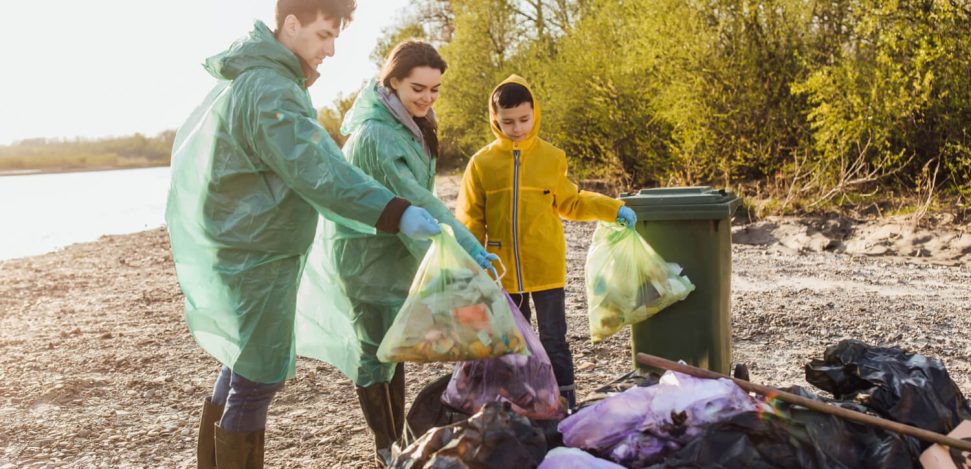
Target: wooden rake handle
822, 407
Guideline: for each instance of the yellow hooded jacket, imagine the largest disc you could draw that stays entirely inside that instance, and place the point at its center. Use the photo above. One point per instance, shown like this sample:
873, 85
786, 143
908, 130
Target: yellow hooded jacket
513, 195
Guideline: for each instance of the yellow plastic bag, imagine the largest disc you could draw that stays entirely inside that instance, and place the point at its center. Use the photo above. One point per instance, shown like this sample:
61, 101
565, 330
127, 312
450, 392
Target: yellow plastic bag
627, 281
454, 311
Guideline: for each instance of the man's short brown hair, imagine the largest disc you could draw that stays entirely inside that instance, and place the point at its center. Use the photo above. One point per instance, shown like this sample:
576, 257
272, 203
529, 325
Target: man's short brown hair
306, 11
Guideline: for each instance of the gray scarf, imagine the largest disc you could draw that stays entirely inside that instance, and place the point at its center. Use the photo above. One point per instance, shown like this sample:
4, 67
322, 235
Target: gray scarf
397, 109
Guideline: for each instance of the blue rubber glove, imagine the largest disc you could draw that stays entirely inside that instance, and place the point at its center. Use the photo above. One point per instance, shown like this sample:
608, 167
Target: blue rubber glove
417, 223
485, 259
626, 216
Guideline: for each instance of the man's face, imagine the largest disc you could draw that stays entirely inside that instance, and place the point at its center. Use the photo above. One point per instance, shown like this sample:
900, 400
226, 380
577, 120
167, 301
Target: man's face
312, 42
419, 90
515, 122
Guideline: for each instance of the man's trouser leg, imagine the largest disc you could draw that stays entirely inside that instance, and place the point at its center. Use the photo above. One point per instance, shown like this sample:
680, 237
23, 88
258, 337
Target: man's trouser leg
239, 435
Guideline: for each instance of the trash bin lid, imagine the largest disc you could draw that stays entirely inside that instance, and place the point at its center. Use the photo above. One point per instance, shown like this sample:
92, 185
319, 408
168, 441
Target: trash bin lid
682, 203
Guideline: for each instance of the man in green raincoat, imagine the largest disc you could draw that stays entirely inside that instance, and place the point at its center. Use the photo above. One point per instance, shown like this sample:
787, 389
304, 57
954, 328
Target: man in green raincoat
251, 171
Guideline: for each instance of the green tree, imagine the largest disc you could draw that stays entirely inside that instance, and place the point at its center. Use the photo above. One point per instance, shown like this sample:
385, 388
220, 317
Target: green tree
897, 99
818, 98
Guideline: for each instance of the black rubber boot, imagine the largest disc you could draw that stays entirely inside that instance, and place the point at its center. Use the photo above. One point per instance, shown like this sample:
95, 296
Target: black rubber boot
206, 448
239, 450
383, 405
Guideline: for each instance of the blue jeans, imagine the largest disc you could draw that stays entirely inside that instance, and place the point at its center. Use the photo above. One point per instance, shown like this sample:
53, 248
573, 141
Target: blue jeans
247, 402
551, 318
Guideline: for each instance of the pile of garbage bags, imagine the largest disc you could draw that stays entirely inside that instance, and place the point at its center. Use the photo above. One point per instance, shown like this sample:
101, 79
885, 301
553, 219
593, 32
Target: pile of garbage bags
686, 422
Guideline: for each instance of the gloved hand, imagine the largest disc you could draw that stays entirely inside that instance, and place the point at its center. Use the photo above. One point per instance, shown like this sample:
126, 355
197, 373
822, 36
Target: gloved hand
626, 216
417, 223
485, 259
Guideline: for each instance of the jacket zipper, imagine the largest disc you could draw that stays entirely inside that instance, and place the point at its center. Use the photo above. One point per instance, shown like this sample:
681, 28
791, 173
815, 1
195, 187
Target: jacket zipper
515, 218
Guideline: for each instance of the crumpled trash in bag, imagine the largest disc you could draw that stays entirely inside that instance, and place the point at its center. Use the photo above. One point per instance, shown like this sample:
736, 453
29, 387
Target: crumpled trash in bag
627, 281
902, 386
454, 311
642, 425
572, 458
527, 383
494, 438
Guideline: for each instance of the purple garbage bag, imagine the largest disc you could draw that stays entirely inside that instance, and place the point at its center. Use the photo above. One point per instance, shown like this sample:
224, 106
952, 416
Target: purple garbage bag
572, 458
642, 425
526, 382
607, 422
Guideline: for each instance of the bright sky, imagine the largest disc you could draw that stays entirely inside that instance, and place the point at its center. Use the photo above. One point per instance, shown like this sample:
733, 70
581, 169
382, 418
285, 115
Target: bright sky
97, 68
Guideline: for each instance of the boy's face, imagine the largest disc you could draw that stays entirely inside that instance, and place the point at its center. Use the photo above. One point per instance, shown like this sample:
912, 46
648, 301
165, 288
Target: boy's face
515, 122
419, 90
312, 42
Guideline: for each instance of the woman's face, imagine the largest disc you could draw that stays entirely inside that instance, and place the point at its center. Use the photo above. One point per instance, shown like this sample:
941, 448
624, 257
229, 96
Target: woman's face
419, 90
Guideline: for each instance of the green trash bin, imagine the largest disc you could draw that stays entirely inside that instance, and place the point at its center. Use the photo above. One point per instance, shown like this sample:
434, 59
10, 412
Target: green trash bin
690, 226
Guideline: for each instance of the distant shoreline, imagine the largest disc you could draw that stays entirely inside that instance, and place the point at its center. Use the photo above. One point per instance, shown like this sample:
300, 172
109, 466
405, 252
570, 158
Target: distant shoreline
34, 172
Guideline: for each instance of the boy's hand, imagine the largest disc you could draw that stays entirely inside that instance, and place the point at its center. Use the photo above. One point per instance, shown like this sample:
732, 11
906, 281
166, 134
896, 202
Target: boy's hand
417, 223
485, 259
626, 216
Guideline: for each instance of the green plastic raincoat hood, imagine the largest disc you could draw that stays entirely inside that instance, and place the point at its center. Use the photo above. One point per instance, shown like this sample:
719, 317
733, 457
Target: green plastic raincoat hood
260, 49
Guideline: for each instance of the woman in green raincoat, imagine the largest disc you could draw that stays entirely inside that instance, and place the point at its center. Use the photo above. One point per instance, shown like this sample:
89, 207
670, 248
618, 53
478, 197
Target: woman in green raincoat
393, 139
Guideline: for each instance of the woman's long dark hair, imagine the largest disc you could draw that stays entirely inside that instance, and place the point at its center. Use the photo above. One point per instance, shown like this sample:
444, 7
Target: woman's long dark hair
403, 59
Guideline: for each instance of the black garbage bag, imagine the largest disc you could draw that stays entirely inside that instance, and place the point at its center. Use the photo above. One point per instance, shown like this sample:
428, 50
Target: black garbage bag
902, 386
494, 438
798, 437
752, 440
853, 444
428, 411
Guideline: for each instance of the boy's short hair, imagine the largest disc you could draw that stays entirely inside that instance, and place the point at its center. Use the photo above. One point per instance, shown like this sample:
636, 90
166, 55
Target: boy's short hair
306, 11
511, 95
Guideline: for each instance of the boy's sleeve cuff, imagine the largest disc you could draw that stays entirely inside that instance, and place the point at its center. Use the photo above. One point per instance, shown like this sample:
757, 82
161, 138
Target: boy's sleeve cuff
612, 207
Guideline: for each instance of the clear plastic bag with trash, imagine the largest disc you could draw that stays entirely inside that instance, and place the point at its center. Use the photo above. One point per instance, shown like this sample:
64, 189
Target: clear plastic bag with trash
454, 311
627, 281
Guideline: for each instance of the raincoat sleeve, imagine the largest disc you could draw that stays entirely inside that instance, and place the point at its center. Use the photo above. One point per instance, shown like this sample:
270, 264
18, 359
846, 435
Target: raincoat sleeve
400, 179
470, 208
304, 155
578, 205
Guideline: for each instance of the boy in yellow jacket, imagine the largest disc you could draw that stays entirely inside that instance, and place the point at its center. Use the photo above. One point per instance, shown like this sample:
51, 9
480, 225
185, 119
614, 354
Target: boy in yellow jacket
514, 192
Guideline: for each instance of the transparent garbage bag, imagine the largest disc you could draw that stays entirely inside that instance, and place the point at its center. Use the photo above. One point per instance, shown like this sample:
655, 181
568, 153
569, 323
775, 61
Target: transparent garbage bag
627, 281
454, 311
